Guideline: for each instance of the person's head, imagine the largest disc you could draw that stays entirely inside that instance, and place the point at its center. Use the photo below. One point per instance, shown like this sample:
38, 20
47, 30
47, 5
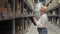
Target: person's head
43, 9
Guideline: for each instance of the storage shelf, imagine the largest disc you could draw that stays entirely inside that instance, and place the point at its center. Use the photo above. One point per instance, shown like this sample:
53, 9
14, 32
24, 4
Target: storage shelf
54, 8
54, 16
13, 16
23, 16
20, 16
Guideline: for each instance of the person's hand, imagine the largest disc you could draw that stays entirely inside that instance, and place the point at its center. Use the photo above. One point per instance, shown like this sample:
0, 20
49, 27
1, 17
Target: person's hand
35, 19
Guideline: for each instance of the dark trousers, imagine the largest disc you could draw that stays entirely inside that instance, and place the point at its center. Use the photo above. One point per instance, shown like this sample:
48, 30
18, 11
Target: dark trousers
42, 30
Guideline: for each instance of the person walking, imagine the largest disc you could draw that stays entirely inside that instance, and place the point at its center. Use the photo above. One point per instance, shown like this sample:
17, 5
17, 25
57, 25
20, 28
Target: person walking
42, 23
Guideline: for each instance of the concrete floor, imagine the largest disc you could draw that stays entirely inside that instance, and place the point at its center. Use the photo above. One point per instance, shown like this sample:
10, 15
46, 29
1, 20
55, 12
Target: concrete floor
51, 29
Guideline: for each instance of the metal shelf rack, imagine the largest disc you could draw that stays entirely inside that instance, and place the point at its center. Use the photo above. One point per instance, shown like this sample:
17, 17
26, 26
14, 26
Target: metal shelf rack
20, 18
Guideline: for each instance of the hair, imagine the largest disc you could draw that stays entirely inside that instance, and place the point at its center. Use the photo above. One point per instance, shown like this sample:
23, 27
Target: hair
44, 8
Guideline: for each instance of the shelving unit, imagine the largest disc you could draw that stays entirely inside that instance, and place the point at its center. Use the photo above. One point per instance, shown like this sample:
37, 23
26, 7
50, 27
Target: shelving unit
53, 10
16, 14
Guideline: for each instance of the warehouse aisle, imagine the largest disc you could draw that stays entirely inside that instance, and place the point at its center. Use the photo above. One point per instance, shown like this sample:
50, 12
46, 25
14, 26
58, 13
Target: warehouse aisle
32, 29
51, 29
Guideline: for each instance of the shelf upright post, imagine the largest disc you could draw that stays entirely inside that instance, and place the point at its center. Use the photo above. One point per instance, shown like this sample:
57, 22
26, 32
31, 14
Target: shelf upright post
59, 18
22, 6
13, 32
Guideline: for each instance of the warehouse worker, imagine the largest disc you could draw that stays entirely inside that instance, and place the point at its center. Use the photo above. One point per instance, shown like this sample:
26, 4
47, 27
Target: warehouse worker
42, 22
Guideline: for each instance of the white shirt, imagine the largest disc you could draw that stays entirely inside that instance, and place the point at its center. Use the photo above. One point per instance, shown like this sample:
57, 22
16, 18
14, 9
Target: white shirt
43, 21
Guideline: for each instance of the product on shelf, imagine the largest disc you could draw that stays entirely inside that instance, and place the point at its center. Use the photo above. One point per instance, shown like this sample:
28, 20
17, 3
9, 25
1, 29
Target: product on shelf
5, 8
18, 8
18, 26
25, 13
18, 12
9, 7
25, 25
